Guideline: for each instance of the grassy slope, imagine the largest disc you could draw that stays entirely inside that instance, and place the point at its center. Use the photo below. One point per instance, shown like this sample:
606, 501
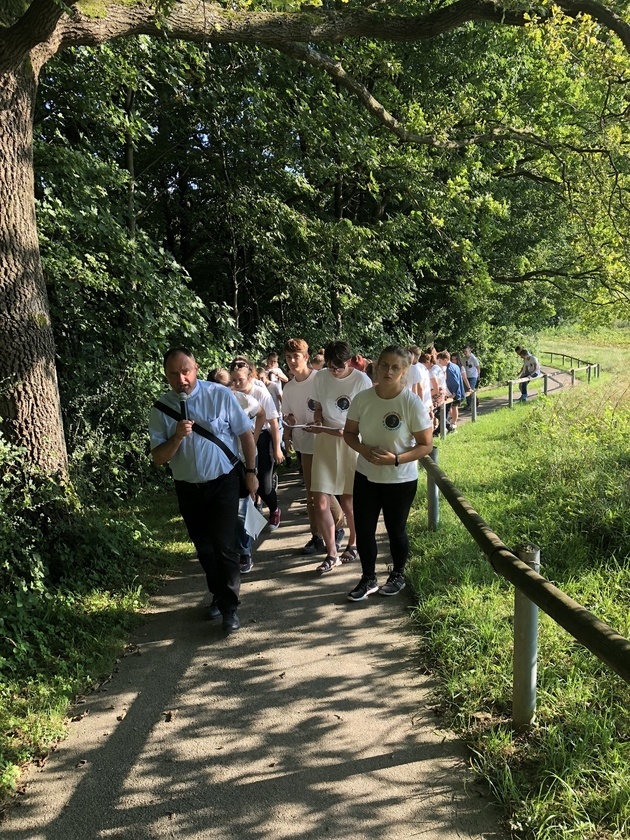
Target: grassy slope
556, 474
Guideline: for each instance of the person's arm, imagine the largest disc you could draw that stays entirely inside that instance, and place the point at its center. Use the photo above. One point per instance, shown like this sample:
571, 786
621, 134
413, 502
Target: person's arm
351, 437
279, 373
163, 452
424, 444
249, 452
259, 422
318, 422
274, 431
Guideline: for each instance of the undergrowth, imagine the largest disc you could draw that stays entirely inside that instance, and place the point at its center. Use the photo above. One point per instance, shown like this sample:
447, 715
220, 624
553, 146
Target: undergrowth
73, 581
554, 473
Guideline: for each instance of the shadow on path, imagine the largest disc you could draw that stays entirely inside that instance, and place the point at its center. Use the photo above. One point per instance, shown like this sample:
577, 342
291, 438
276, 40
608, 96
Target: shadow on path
313, 721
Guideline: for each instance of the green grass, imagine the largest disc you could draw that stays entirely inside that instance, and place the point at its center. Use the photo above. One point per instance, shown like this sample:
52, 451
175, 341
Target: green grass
555, 473
68, 641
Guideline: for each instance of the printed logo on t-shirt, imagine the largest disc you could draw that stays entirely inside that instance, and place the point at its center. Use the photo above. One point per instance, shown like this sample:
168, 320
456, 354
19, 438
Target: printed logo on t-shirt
343, 403
392, 421
312, 404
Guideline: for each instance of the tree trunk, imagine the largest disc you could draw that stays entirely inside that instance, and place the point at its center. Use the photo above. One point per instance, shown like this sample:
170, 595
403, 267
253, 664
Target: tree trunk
30, 409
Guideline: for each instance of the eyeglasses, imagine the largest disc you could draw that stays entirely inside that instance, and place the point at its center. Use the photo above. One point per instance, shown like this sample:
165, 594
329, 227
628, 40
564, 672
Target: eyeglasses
394, 368
334, 369
238, 365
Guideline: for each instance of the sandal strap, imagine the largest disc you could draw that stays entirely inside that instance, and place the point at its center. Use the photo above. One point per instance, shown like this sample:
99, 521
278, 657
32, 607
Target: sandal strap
350, 553
328, 564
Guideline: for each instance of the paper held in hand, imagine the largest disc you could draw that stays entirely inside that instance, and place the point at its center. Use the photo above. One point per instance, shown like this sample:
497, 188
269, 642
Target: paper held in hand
254, 520
309, 425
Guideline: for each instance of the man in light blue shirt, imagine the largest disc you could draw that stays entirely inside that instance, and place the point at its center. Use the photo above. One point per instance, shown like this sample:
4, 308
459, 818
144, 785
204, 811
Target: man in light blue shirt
206, 483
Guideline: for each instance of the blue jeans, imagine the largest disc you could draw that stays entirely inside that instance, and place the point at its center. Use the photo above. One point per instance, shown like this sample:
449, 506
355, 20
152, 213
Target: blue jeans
244, 541
472, 381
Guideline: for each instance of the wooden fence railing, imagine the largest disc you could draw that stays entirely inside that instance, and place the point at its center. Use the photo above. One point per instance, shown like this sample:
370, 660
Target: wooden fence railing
520, 568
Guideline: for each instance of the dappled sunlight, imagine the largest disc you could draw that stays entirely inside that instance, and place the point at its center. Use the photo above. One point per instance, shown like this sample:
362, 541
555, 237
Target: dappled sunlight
312, 721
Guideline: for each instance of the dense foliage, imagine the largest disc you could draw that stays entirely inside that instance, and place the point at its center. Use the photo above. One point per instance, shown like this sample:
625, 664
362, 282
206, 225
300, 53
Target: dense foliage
226, 197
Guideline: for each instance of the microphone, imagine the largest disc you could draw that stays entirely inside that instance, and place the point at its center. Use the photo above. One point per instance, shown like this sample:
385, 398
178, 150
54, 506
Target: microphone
183, 405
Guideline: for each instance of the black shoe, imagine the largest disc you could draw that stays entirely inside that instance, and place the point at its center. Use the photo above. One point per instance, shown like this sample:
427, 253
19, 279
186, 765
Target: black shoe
314, 546
231, 622
213, 611
339, 535
246, 564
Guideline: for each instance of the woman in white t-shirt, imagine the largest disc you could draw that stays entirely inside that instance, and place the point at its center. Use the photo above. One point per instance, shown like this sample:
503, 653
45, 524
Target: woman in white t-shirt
268, 446
390, 429
333, 463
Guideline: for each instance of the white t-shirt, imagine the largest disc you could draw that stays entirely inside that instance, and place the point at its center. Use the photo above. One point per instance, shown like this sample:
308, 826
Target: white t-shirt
275, 389
389, 424
437, 372
335, 395
425, 381
412, 377
298, 398
250, 406
260, 393
472, 366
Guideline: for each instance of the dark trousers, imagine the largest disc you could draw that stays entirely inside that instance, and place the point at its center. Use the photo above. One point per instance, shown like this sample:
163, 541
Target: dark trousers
395, 501
210, 512
266, 465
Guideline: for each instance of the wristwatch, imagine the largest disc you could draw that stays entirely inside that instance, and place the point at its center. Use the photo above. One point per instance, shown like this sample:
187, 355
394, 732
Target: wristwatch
253, 470
396, 461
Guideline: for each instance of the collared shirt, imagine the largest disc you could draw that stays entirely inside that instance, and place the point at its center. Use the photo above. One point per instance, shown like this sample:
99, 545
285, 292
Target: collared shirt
213, 406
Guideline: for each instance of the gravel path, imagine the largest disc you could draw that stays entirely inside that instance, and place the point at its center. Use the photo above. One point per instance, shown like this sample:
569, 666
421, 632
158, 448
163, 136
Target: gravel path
313, 721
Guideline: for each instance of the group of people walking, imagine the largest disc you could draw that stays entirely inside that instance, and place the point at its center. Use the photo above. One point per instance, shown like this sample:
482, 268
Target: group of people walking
357, 426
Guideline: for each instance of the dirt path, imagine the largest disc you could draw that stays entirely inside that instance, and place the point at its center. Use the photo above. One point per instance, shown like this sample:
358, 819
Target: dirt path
557, 380
314, 721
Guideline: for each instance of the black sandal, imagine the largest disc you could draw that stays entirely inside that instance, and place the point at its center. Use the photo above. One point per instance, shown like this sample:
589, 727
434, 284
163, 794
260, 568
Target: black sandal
328, 564
349, 554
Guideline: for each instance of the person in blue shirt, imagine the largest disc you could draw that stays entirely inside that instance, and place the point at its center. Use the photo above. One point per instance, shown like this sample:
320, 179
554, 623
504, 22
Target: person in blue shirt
206, 483
455, 385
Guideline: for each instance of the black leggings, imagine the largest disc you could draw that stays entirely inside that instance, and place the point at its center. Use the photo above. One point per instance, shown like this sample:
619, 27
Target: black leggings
395, 501
265, 471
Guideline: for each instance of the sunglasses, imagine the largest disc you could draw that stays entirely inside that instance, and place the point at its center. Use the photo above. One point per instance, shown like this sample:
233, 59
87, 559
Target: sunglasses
238, 365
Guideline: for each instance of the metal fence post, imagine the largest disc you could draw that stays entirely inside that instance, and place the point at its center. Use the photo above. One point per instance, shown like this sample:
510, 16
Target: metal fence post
545, 378
433, 496
473, 406
572, 372
443, 420
525, 646
588, 375
510, 394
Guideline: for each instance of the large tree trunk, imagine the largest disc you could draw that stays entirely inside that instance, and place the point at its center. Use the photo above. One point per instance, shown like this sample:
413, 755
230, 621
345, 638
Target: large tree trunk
30, 410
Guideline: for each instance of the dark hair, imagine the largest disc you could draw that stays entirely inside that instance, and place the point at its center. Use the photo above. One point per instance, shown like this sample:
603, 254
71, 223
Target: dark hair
175, 351
444, 354
236, 362
337, 353
395, 350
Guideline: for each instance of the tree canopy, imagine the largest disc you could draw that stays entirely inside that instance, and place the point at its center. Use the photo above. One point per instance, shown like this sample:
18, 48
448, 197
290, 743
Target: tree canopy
437, 167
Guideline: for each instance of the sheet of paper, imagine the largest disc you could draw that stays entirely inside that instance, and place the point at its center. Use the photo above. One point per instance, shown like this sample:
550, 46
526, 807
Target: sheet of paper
254, 520
306, 426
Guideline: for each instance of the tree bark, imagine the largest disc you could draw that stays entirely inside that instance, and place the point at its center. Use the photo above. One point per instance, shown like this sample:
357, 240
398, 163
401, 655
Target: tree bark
30, 408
